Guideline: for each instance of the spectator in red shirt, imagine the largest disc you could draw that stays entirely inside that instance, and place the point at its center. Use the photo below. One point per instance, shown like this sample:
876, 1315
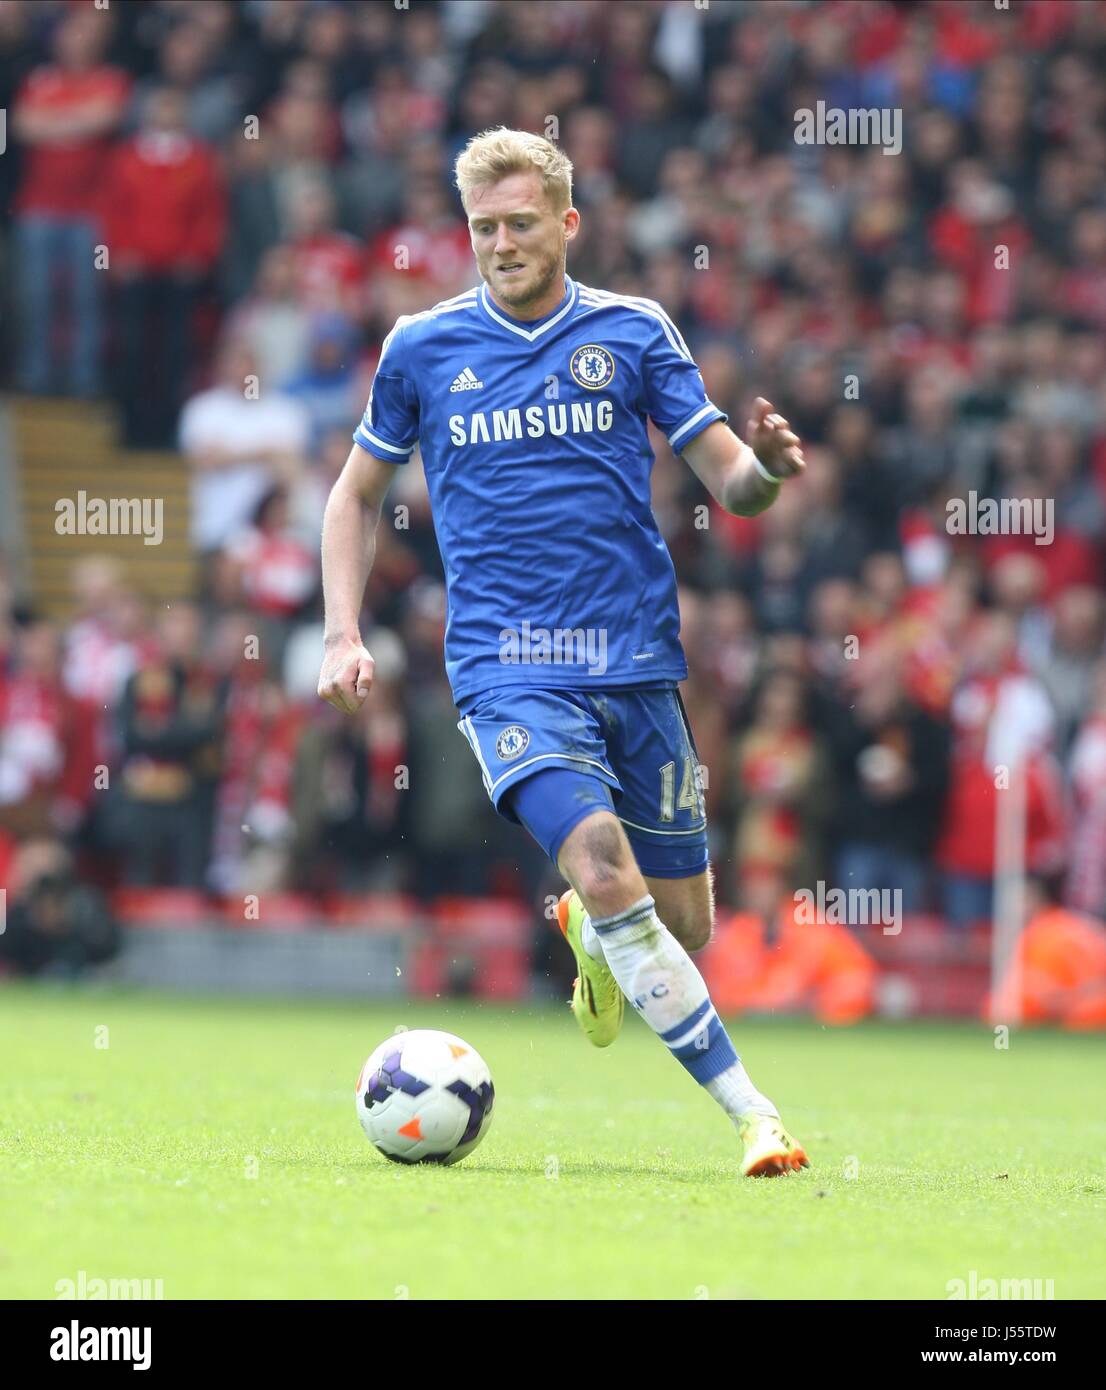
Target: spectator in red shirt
1085, 285
1000, 716
423, 257
166, 223
329, 263
968, 231
64, 114
47, 740
273, 570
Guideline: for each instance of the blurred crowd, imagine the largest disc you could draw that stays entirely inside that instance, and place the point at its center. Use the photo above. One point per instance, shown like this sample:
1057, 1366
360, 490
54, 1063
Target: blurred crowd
272, 182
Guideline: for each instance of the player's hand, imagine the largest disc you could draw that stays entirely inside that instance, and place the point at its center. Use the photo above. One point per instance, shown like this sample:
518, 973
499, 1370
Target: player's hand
770, 437
347, 676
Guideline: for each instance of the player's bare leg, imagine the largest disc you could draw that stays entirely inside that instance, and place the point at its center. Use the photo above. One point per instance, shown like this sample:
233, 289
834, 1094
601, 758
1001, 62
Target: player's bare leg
685, 906
663, 984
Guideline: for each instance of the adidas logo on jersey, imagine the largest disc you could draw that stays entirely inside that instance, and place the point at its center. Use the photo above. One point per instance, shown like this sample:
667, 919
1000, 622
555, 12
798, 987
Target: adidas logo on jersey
467, 382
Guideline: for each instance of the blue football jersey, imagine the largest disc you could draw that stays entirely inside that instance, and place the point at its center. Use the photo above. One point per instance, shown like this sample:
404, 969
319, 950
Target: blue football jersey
537, 459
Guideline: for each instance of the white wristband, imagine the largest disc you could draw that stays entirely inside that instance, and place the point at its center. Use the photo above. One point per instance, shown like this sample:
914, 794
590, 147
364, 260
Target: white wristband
764, 473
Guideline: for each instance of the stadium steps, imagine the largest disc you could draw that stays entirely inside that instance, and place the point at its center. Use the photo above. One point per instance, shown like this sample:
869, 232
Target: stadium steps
62, 447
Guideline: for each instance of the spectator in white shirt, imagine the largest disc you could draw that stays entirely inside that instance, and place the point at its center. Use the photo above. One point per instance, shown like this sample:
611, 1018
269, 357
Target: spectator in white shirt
241, 436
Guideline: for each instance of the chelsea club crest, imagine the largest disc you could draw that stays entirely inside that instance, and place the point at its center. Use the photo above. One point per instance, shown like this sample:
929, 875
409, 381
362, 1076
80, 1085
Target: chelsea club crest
591, 366
511, 744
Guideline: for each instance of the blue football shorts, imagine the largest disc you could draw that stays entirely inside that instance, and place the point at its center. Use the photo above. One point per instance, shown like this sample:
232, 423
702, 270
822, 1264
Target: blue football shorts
628, 750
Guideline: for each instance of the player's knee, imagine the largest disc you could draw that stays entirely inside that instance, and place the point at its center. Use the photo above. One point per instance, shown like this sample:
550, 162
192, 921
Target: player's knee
602, 868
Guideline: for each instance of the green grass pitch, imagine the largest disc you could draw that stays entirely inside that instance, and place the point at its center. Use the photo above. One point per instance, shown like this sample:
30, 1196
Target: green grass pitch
604, 1174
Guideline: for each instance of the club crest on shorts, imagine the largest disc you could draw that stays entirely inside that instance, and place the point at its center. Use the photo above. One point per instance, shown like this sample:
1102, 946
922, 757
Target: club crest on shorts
591, 366
511, 743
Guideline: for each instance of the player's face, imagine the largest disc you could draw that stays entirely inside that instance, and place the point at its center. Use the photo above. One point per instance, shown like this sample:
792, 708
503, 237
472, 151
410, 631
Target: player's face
519, 243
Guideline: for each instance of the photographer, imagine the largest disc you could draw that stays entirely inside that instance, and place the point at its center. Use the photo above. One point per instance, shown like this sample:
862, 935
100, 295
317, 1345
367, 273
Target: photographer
56, 925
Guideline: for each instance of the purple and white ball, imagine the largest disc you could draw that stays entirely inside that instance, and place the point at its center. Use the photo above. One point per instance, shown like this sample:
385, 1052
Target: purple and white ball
425, 1097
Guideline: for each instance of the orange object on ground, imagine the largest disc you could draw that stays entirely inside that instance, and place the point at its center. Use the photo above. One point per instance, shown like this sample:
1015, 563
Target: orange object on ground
1061, 958
820, 967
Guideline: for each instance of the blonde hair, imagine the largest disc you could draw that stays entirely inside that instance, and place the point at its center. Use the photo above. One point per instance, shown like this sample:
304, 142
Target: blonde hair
495, 154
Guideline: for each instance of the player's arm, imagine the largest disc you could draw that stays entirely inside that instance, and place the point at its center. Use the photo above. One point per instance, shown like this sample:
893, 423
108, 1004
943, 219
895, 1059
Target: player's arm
744, 478
349, 548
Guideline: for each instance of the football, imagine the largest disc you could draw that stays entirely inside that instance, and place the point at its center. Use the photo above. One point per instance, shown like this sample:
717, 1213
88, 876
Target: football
425, 1097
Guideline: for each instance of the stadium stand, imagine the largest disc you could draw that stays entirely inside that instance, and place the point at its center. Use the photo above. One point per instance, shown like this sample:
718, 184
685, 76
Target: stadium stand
932, 324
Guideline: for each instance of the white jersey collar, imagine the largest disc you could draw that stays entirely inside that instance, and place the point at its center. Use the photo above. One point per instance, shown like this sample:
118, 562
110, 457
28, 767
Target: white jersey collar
543, 327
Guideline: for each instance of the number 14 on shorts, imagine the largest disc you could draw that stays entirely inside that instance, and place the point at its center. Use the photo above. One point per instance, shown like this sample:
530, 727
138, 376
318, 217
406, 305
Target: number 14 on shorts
692, 783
